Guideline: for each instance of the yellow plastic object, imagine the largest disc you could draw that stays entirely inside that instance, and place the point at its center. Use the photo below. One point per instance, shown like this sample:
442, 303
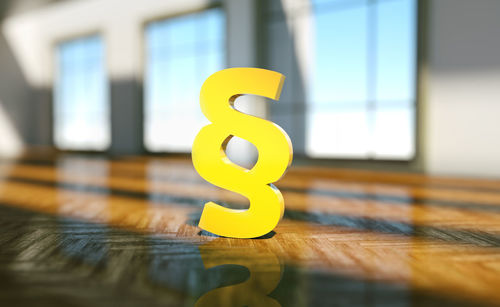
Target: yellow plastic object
217, 97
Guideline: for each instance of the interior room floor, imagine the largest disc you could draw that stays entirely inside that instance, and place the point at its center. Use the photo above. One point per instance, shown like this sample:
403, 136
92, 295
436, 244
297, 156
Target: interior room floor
81, 230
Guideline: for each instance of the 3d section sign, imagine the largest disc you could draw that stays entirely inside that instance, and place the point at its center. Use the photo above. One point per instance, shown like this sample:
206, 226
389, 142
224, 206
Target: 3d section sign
217, 97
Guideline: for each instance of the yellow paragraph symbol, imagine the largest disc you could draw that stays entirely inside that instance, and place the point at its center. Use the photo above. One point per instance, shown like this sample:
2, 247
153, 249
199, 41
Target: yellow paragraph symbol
217, 97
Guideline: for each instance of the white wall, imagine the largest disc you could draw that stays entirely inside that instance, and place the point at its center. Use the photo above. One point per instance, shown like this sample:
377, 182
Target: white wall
33, 35
462, 100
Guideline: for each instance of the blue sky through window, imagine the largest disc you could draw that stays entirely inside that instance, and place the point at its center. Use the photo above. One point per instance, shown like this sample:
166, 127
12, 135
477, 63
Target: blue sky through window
362, 92
181, 53
81, 109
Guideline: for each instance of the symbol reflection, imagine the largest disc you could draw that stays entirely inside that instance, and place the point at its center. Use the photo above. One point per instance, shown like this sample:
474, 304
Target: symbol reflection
265, 271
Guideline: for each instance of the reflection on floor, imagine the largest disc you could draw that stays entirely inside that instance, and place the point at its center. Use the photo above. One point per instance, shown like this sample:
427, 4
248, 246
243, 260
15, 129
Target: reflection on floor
89, 231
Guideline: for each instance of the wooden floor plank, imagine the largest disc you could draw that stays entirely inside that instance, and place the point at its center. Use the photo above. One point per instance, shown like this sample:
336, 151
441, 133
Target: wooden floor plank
129, 228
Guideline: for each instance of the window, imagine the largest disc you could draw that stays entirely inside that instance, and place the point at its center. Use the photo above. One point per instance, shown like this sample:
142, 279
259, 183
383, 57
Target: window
181, 53
360, 78
81, 108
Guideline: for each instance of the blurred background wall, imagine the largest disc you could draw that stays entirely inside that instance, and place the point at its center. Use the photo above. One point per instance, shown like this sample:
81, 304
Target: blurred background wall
397, 84
462, 101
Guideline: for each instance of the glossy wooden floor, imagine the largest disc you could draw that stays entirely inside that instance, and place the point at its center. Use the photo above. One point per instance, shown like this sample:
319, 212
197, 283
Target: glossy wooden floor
88, 231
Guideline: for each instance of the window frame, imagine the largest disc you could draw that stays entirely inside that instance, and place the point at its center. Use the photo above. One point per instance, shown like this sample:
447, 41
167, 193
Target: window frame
412, 164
